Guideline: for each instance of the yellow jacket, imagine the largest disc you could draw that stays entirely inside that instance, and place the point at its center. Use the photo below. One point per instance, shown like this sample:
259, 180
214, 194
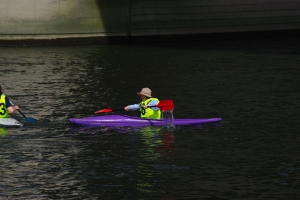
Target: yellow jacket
3, 109
148, 112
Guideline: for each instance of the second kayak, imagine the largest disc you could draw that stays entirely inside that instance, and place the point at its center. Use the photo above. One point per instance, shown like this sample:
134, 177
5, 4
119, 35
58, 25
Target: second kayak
10, 122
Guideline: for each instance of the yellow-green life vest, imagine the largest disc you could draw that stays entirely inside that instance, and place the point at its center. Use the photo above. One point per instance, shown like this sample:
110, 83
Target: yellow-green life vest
148, 112
3, 109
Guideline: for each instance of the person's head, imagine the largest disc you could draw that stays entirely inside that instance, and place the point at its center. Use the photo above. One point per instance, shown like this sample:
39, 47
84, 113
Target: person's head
145, 93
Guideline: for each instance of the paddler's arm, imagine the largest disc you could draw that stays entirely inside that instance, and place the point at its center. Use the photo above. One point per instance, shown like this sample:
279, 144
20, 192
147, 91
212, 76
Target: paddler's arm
11, 108
132, 107
152, 103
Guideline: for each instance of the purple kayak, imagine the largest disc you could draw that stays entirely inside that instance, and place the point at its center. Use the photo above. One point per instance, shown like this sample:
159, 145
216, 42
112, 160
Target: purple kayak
124, 120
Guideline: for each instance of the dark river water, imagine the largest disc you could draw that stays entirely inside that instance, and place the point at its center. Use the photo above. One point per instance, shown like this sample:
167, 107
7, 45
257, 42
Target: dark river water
253, 153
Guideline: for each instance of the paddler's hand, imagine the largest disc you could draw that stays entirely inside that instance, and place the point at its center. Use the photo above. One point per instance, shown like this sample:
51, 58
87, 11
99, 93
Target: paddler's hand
126, 108
12, 109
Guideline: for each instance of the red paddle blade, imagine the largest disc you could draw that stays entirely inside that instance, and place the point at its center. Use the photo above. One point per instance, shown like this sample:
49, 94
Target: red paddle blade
104, 111
165, 105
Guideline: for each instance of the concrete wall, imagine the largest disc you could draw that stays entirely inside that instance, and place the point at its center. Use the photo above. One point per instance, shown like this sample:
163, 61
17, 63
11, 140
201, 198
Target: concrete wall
41, 19
52, 19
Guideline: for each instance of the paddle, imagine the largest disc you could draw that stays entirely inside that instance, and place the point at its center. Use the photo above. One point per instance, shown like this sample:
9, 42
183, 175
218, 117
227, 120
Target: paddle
164, 105
28, 119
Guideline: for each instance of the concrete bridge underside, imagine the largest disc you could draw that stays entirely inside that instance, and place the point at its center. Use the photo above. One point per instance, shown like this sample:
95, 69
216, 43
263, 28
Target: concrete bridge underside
103, 21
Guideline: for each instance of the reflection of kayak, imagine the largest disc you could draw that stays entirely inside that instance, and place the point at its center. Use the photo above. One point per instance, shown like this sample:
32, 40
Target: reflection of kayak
124, 120
10, 122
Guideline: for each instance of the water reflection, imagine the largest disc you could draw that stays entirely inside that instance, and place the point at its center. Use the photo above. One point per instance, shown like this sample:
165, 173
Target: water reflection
127, 153
156, 145
3, 132
152, 139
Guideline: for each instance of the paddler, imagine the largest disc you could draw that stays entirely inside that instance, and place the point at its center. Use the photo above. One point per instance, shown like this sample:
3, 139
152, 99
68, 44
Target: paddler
5, 106
144, 106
